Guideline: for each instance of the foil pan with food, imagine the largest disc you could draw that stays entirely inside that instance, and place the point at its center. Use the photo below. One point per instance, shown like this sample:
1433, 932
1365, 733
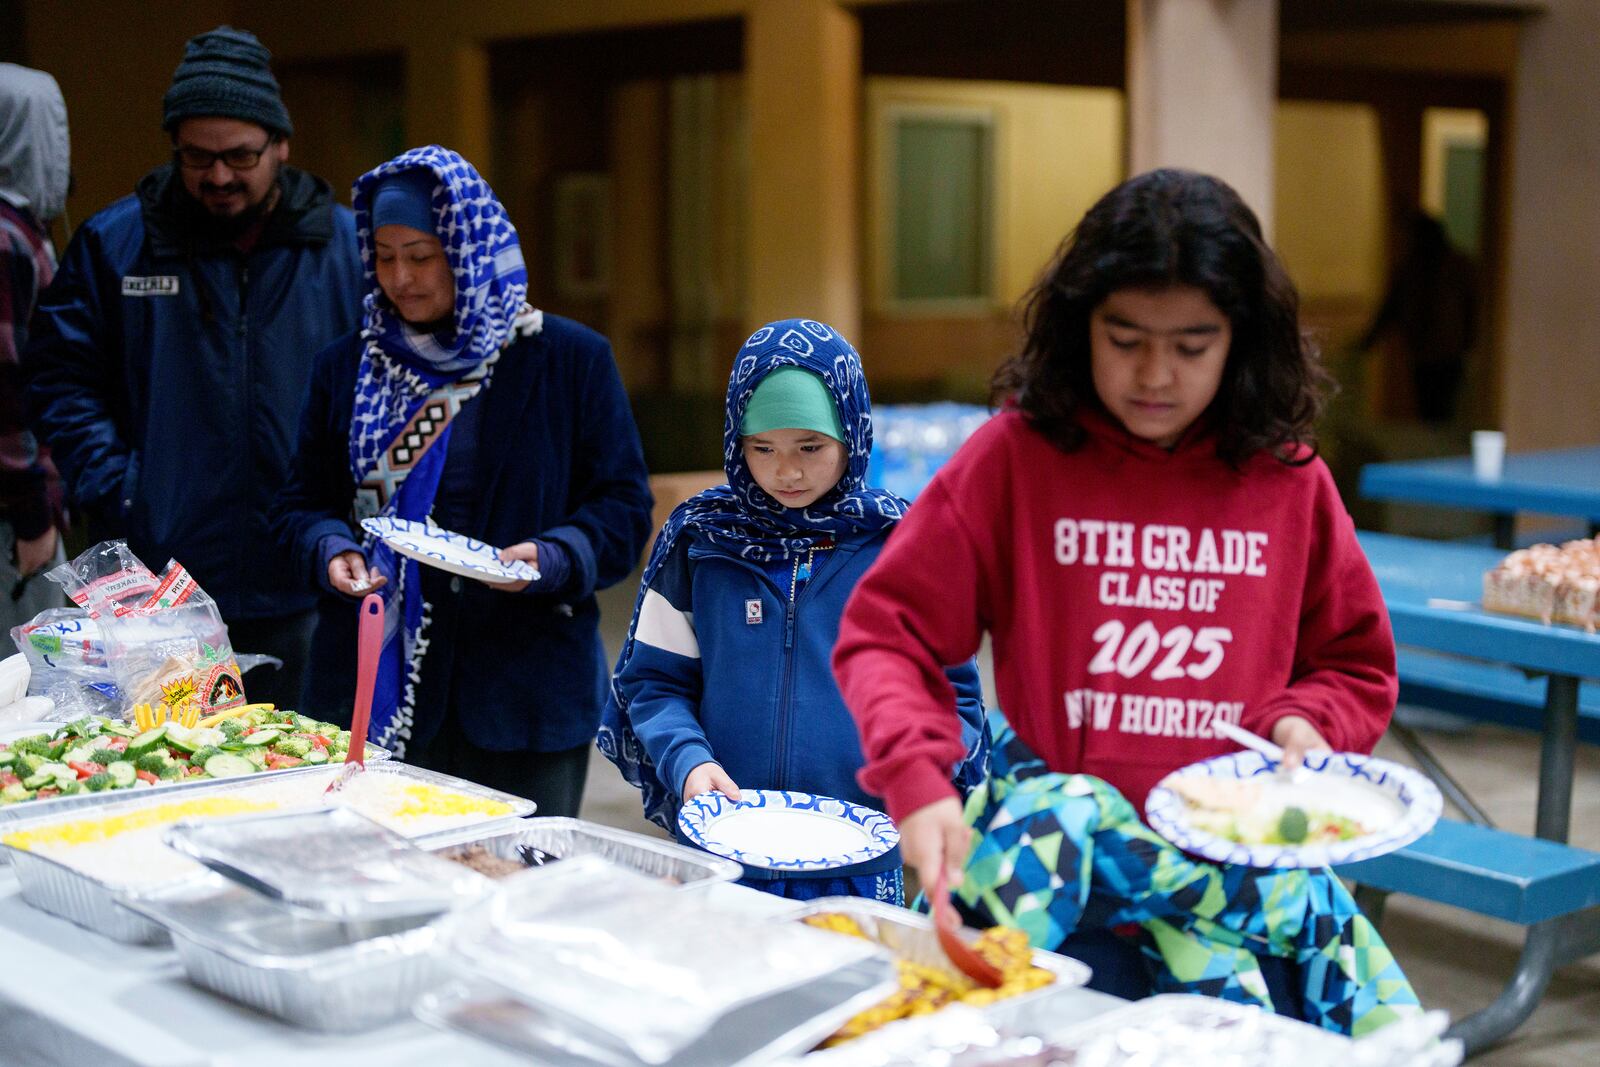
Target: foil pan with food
928, 981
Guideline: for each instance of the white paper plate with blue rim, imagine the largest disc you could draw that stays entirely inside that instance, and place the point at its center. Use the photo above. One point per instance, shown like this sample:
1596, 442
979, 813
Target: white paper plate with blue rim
786, 830
1394, 803
457, 553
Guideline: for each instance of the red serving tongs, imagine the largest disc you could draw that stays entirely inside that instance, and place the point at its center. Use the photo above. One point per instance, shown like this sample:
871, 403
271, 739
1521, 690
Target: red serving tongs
369, 644
945, 924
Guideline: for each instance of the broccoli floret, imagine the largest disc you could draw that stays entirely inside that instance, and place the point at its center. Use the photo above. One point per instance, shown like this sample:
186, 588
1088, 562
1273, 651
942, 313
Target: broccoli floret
256, 755
150, 763
36, 745
232, 727
202, 754
96, 782
170, 771
104, 756
293, 746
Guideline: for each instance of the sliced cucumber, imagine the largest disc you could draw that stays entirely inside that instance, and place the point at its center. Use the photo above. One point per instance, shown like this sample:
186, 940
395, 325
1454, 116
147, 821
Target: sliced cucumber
64, 775
316, 755
223, 765
262, 737
7, 758
147, 741
122, 774
39, 778
121, 729
182, 739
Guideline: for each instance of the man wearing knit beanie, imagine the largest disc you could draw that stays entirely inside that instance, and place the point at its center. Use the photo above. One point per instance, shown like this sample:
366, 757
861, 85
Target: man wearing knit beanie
169, 360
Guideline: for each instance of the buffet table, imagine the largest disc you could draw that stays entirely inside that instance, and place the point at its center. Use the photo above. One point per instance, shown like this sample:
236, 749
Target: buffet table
70, 996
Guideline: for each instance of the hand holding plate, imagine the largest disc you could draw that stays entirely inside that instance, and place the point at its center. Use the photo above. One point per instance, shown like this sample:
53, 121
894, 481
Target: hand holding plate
526, 551
709, 777
1296, 736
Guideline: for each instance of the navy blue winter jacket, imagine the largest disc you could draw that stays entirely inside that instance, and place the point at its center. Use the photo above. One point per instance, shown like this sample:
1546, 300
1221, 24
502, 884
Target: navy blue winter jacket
726, 668
558, 458
167, 372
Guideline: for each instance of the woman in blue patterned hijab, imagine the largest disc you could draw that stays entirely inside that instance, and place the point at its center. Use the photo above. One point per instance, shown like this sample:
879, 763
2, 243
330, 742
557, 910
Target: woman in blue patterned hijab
458, 406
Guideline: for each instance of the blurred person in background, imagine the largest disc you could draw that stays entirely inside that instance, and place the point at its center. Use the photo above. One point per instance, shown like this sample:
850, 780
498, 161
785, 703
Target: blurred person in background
35, 159
168, 361
1431, 311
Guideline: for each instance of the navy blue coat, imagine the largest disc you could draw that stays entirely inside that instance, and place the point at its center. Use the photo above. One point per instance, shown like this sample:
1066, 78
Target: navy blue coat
558, 458
726, 667
167, 371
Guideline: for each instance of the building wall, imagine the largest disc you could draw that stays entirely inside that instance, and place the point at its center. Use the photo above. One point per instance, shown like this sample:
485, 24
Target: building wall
1551, 369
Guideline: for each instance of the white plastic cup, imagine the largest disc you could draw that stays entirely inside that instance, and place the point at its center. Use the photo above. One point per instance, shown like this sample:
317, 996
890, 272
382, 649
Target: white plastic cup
1488, 454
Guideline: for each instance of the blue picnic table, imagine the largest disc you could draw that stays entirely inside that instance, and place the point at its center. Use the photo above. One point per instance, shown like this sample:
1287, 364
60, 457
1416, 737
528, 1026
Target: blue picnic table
1433, 591
1562, 481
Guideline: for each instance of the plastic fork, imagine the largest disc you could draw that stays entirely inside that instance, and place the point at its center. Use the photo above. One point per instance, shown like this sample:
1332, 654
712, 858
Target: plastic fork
963, 955
1254, 742
369, 645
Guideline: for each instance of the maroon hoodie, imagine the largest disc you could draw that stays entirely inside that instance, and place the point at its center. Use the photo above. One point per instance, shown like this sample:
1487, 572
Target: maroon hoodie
1133, 595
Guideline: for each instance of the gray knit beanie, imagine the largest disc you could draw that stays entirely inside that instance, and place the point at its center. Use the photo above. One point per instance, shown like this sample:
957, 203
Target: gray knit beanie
226, 73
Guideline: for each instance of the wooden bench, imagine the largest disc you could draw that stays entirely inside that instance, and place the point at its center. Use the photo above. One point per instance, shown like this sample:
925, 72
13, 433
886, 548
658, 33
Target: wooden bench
1509, 876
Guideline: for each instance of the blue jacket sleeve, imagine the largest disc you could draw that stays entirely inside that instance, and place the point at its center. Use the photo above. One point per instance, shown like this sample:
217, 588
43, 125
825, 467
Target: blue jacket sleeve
605, 532
71, 365
662, 681
313, 504
974, 766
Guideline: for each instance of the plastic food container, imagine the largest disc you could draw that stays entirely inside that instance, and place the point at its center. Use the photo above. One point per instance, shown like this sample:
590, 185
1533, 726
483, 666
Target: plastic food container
563, 838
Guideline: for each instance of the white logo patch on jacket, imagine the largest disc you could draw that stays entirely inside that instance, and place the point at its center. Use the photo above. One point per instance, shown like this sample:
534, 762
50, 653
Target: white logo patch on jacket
153, 285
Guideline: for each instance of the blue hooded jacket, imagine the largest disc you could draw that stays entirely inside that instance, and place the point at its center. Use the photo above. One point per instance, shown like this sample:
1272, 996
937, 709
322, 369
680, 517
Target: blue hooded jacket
725, 660
167, 372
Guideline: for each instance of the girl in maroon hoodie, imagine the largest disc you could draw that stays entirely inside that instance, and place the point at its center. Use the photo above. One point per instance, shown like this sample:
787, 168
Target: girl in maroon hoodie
1145, 531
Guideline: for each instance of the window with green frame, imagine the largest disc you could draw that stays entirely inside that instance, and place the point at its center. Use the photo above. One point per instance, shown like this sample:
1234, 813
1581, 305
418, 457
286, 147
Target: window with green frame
941, 182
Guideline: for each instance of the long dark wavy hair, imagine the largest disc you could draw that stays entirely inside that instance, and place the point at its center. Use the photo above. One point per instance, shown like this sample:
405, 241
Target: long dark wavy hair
1164, 228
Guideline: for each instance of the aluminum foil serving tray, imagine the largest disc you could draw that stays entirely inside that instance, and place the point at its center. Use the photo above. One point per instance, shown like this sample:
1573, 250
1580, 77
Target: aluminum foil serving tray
565, 838
91, 902
911, 936
26, 812
318, 974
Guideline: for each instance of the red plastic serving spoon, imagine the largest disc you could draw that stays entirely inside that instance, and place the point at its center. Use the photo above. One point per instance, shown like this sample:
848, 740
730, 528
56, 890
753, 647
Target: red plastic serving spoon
369, 644
945, 924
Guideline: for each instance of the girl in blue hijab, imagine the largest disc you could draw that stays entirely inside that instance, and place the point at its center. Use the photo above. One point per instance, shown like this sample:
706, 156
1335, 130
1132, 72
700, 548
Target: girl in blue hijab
456, 404
724, 680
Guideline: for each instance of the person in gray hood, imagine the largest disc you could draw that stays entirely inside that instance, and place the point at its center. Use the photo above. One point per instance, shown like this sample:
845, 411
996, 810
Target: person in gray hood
34, 161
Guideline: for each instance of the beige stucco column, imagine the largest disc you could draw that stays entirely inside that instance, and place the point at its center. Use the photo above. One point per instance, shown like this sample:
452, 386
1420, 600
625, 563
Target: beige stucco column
1550, 388
447, 98
638, 298
1202, 86
803, 80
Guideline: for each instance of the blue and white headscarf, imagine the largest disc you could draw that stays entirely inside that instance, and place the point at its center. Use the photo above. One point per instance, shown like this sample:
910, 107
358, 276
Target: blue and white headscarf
402, 367
745, 520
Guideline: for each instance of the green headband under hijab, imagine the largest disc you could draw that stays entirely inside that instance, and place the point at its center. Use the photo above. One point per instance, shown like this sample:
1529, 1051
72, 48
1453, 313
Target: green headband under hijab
792, 398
